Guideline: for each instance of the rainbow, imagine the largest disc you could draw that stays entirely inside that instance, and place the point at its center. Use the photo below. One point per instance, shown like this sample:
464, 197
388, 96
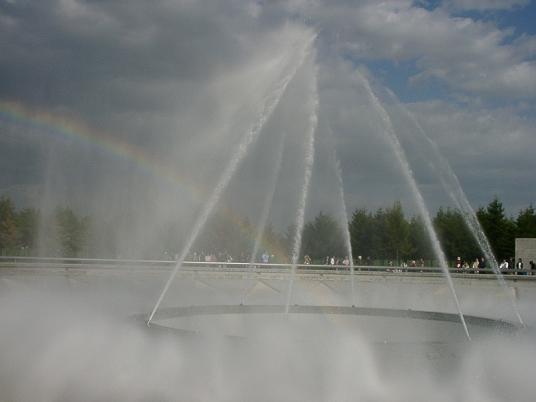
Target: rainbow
70, 128
16, 114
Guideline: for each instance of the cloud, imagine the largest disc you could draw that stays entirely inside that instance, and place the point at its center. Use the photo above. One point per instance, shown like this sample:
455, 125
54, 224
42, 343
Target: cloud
482, 5
491, 151
182, 81
469, 55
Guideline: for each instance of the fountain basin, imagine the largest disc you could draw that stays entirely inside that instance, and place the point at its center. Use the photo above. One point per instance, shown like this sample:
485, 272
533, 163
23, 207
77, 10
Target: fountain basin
383, 325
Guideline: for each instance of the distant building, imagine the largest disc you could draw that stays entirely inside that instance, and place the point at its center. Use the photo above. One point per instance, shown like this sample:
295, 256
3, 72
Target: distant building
526, 250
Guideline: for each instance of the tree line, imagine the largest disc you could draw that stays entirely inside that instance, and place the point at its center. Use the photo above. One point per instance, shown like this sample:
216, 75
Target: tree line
63, 234
386, 235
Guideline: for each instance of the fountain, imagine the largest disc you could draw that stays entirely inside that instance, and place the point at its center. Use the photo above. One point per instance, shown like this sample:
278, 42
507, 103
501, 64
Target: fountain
249, 137
453, 188
389, 131
344, 217
298, 332
408, 174
170, 313
261, 226
300, 217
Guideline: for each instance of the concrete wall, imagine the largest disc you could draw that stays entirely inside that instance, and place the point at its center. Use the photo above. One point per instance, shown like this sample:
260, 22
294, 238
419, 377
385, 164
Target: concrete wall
526, 250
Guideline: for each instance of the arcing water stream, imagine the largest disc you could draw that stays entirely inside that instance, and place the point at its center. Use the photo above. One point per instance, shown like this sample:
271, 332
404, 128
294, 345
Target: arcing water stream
453, 188
271, 102
266, 207
408, 174
309, 161
344, 213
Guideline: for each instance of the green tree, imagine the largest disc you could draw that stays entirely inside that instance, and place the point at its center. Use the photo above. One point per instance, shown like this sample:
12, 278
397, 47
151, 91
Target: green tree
454, 235
397, 244
224, 235
526, 223
8, 226
361, 229
72, 232
499, 230
419, 240
378, 235
27, 222
323, 237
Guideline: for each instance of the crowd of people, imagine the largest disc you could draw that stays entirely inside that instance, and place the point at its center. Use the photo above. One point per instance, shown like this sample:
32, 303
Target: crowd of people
507, 266
518, 266
478, 265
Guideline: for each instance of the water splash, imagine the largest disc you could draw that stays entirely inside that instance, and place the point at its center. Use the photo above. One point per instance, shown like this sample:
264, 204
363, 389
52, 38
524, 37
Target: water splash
271, 102
309, 162
266, 208
453, 188
344, 214
408, 174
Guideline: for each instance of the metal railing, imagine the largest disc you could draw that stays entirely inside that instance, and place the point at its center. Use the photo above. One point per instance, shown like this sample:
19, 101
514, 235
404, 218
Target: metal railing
134, 264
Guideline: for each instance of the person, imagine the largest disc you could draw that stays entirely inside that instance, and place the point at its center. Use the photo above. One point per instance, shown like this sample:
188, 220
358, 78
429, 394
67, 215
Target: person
265, 258
346, 261
482, 265
532, 267
458, 264
475, 265
504, 265
359, 262
307, 259
332, 261
519, 266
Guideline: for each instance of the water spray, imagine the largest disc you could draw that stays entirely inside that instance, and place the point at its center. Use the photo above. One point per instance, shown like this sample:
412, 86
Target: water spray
390, 133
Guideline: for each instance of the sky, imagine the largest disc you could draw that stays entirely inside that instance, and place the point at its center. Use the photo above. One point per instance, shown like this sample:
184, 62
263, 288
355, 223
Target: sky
135, 108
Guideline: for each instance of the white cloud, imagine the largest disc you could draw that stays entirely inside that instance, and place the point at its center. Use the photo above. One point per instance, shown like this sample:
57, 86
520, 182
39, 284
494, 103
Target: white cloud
491, 151
482, 5
467, 54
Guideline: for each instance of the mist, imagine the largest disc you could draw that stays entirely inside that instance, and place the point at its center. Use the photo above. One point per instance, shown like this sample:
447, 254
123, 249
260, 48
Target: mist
75, 337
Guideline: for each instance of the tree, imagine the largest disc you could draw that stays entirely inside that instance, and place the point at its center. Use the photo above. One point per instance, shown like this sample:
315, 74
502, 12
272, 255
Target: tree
397, 244
27, 222
361, 228
323, 237
419, 240
8, 226
225, 235
526, 223
72, 232
499, 230
454, 235
274, 244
